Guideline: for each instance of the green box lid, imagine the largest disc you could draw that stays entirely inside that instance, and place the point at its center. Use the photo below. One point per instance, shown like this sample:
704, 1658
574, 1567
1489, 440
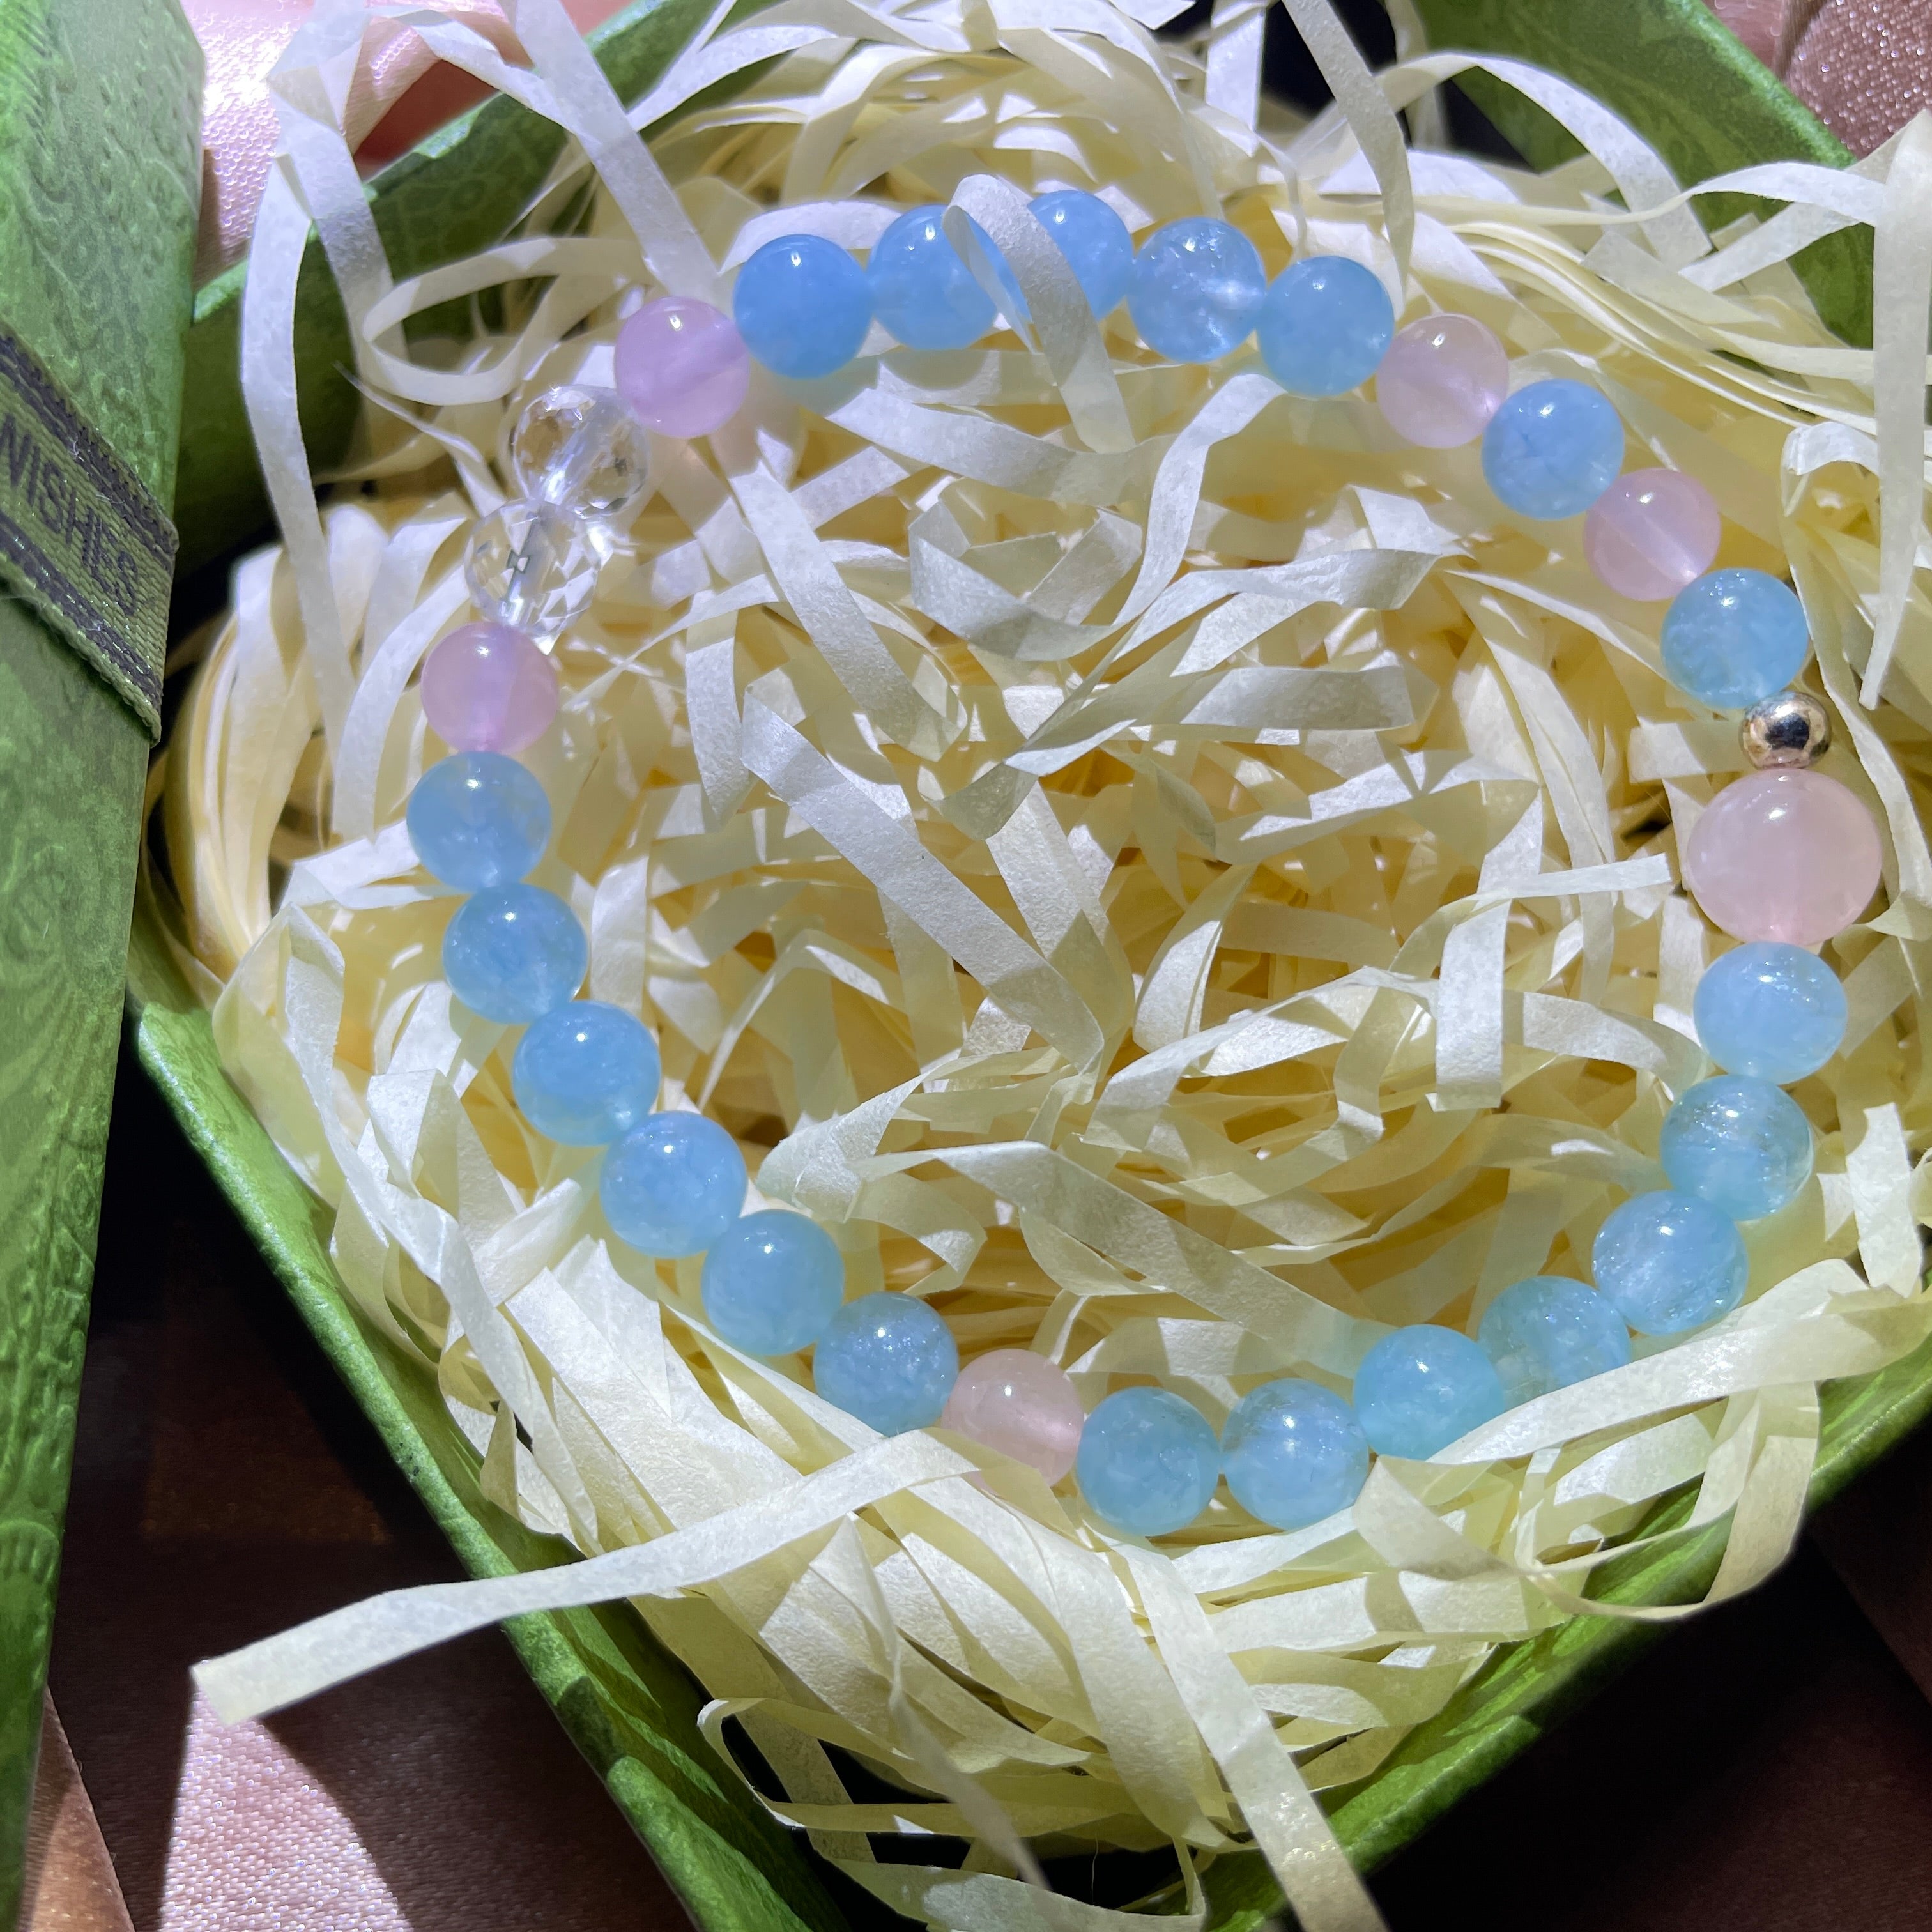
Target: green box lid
100, 156
100, 184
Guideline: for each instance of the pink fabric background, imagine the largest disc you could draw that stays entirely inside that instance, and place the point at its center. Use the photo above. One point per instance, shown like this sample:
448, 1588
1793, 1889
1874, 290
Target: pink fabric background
401, 94
1863, 66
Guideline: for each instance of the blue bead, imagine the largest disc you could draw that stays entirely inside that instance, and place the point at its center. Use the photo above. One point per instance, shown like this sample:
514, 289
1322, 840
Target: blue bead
802, 305
1742, 1145
888, 1359
673, 1185
513, 953
1196, 287
585, 1074
1771, 1010
1094, 240
1293, 1453
772, 1282
478, 819
1733, 637
922, 291
1552, 449
1666, 1262
1549, 1331
1326, 323
1147, 1461
1420, 1388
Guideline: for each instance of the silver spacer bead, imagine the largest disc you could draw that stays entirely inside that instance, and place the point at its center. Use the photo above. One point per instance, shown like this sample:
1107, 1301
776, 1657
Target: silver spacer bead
1792, 728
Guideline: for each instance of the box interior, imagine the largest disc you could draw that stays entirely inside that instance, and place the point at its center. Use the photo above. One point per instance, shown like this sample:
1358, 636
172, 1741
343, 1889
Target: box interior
629, 1707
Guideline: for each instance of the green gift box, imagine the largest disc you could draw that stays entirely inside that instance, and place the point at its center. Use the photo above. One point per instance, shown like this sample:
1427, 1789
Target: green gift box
1689, 87
100, 182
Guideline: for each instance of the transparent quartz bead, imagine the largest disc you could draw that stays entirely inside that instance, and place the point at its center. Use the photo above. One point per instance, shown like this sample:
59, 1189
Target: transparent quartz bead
581, 451
532, 568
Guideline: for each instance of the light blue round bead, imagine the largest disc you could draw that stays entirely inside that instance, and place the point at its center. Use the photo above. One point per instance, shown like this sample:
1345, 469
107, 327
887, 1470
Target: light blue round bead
1094, 240
1294, 1453
1552, 449
772, 1282
1667, 1261
1733, 637
1771, 1010
673, 1185
585, 1074
1549, 1331
1326, 324
1422, 1387
888, 1359
1742, 1145
478, 819
513, 953
1196, 287
802, 305
922, 291
1147, 1461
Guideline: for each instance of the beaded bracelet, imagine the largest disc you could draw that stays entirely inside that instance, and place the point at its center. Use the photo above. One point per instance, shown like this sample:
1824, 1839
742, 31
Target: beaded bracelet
1782, 860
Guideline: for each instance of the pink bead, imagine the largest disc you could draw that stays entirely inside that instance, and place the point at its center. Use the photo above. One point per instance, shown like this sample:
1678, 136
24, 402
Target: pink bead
1442, 380
682, 367
1651, 532
1019, 1403
486, 688
1789, 855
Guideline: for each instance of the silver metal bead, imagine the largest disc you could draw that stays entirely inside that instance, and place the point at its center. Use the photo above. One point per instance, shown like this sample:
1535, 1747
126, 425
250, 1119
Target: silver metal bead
1792, 728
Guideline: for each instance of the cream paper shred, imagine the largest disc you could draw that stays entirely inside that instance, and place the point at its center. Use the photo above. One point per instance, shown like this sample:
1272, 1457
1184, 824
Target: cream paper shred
1164, 870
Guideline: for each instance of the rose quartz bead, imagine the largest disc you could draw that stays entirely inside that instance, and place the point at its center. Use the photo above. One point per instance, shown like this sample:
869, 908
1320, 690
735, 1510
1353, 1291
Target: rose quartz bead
682, 367
1019, 1403
1788, 855
1442, 380
1651, 532
487, 688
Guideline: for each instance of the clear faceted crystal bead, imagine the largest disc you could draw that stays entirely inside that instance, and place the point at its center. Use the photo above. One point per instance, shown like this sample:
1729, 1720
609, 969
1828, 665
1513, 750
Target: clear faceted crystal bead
532, 568
581, 451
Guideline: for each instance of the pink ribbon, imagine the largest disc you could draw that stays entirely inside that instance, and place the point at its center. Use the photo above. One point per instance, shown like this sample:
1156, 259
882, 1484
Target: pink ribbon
401, 93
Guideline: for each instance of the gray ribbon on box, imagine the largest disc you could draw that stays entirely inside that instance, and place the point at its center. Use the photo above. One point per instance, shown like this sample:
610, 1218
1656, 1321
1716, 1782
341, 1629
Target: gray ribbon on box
82, 539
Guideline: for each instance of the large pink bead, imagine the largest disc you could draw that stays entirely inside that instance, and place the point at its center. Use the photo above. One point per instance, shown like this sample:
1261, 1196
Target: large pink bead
1442, 380
1788, 855
1651, 532
487, 688
682, 367
1019, 1403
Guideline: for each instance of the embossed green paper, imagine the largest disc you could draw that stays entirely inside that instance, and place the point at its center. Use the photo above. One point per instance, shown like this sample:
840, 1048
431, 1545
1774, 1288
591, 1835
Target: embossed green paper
100, 174
80, 537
